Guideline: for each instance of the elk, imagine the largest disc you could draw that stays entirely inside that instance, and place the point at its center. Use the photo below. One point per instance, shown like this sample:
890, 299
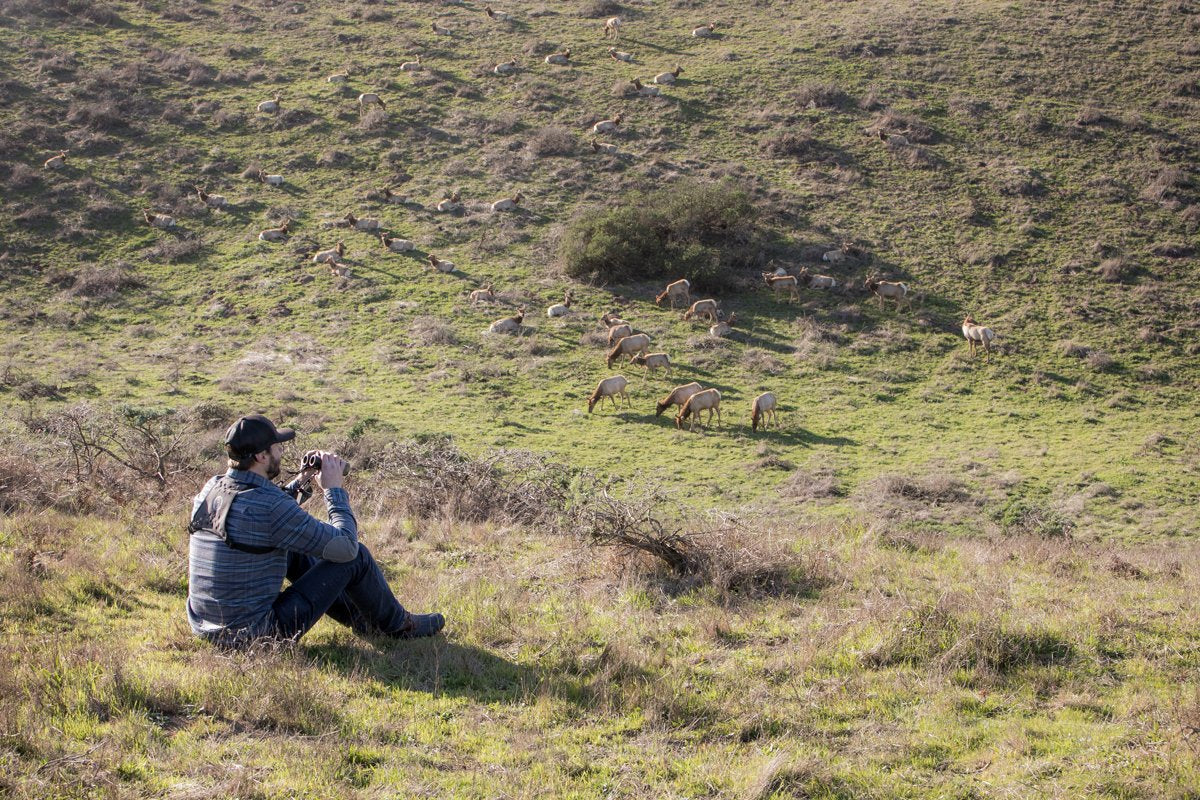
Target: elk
702, 308
508, 324
887, 289
370, 99
440, 30
762, 410
331, 256
705, 400
604, 147
367, 225
506, 67
440, 265
451, 203
783, 283
609, 387
275, 234
612, 27
158, 220
618, 332
395, 245
562, 59
270, 106
816, 281
480, 295
618, 55
395, 199
507, 203
270, 180
629, 345
977, 335
563, 308
667, 78
338, 77
679, 290
498, 16
677, 397
704, 31
610, 319
724, 327
645, 91
412, 66
56, 162
211, 200
653, 361
608, 125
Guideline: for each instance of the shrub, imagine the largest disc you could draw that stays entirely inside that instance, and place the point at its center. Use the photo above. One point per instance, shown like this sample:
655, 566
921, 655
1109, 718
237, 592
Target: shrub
1113, 270
703, 231
553, 141
1027, 517
822, 95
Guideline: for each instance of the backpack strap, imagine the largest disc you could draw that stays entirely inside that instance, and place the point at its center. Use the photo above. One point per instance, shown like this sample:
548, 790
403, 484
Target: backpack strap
214, 508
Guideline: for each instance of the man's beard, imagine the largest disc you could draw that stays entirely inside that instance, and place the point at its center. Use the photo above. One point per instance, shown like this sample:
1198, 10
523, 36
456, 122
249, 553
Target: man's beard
273, 467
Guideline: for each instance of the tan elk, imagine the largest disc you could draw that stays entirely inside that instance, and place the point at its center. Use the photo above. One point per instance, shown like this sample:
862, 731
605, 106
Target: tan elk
628, 346
724, 327
275, 234
977, 335
610, 388
783, 283
653, 361
702, 308
56, 162
486, 294
508, 324
679, 290
762, 410
396, 245
158, 220
330, 256
706, 400
612, 27
618, 332
887, 289
677, 397
563, 308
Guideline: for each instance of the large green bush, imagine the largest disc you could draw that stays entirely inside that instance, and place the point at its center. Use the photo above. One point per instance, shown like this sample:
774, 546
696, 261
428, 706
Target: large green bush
704, 231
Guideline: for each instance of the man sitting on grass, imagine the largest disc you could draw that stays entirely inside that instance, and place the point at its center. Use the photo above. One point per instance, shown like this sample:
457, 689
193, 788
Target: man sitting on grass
247, 535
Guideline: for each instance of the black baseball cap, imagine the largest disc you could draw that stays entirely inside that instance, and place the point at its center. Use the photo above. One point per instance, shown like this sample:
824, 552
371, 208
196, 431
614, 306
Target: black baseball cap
253, 434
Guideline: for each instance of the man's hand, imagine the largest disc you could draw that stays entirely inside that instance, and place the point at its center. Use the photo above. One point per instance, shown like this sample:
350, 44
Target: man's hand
330, 476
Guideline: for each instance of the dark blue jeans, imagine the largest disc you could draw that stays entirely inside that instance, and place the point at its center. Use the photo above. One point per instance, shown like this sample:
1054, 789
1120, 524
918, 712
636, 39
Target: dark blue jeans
354, 593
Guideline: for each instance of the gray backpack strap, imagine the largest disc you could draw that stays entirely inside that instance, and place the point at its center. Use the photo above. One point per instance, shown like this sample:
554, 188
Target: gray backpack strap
214, 508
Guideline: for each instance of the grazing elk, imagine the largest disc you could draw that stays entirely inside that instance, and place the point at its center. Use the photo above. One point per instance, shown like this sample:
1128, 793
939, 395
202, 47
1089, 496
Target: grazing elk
612, 27
783, 283
653, 361
677, 397
679, 290
762, 410
628, 346
702, 308
609, 387
705, 400
977, 335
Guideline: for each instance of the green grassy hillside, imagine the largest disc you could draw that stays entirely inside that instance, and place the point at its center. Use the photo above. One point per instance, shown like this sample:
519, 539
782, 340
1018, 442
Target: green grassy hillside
1028, 521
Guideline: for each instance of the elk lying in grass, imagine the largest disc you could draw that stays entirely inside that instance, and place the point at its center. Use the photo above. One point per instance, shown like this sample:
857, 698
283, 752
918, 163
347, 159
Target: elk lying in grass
366, 225
704, 31
482, 295
783, 283
508, 324
618, 332
816, 281
677, 397
762, 410
506, 68
56, 162
216, 201
440, 265
608, 125
395, 245
330, 256
270, 180
451, 203
441, 30
338, 77
612, 27
976, 336
507, 203
705, 400
667, 78
158, 220
887, 289
563, 308
679, 290
497, 16
275, 234
724, 327
645, 91
628, 346
270, 106
619, 55
604, 147
702, 308
653, 361
412, 66
610, 388
562, 59
395, 199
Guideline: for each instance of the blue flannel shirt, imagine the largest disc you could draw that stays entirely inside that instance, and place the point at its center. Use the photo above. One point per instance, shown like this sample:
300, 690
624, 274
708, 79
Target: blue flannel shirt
230, 591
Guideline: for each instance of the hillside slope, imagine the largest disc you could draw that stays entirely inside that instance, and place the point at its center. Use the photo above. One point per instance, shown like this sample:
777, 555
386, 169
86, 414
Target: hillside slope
1042, 183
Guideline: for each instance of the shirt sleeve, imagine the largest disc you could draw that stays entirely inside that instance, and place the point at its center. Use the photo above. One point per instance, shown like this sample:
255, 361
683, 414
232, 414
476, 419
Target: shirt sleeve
296, 530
